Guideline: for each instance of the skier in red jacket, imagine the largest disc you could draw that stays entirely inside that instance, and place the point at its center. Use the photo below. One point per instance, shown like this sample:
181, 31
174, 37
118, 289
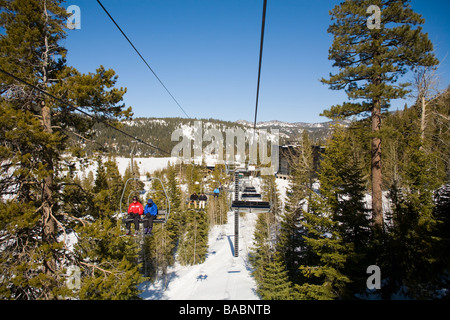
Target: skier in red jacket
135, 210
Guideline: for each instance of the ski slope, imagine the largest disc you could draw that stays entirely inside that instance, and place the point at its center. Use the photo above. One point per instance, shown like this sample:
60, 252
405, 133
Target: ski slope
221, 277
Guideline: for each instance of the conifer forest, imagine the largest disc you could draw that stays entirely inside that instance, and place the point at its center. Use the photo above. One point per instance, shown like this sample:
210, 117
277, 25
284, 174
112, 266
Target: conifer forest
376, 195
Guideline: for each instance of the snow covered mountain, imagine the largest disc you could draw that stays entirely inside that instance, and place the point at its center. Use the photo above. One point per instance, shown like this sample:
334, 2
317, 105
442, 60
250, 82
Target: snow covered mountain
292, 130
158, 132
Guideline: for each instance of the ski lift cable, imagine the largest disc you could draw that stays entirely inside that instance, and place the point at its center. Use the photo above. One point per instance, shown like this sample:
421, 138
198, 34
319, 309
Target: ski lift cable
140, 55
260, 60
67, 103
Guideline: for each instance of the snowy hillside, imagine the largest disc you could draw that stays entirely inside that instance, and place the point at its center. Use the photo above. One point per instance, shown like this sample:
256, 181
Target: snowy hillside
146, 165
292, 130
220, 277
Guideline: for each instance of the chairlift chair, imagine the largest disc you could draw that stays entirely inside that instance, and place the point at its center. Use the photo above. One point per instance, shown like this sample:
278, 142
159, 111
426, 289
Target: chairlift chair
249, 198
163, 209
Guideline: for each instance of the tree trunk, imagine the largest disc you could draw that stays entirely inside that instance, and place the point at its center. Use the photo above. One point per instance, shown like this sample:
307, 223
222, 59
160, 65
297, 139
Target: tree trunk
48, 220
47, 194
377, 201
422, 119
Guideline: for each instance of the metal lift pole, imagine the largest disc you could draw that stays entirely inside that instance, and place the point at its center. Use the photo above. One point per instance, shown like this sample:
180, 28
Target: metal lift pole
236, 215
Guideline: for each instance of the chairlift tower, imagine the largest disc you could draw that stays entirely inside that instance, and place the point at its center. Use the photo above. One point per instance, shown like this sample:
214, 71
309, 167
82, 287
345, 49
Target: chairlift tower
252, 201
236, 214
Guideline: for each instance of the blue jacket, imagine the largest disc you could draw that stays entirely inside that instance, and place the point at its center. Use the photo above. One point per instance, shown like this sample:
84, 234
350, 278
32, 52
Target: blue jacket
152, 210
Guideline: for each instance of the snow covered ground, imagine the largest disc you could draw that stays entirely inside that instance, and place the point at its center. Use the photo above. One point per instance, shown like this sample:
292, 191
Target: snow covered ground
146, 165
221, 277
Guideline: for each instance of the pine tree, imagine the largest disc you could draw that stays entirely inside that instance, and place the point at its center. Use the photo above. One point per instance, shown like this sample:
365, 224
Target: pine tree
271, 194
412, 234
337, 228
173, 189
134, 185
370, 61
290, 244
30, 48
101, 192
174, 194
342, 190
323, 277
275, 284
193, 244
115, 185
442, 232
108, 262
263, 251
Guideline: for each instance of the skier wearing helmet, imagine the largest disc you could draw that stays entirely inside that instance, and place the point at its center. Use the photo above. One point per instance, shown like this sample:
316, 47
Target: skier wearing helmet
135, 210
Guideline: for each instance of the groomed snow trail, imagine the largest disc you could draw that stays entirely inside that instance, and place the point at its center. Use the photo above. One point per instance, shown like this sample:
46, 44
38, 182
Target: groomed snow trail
221, 277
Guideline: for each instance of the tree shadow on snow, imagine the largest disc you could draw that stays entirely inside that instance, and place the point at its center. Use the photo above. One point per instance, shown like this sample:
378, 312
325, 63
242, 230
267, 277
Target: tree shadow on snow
156, 290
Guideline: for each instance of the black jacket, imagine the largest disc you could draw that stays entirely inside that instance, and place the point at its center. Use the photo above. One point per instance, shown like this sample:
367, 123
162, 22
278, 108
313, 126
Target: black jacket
194, 197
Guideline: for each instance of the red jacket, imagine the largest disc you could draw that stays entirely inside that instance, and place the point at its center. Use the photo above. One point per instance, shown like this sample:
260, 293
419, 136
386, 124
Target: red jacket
135, 208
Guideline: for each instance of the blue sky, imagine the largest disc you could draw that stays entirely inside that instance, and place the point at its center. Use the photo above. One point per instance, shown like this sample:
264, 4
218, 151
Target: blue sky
206, 53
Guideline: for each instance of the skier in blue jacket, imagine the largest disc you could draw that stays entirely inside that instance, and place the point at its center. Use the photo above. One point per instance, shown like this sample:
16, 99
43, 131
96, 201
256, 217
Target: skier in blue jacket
216, 193
150, 212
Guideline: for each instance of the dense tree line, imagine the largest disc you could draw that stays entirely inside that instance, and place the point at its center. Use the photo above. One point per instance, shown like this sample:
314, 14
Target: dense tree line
155, 131
317, 246
60, 233
158, 131
323, 241
36, 181
370, 205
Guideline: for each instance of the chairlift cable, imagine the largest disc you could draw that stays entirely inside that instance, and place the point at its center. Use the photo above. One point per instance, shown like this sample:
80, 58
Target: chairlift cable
72, 106
140, 55
260, 61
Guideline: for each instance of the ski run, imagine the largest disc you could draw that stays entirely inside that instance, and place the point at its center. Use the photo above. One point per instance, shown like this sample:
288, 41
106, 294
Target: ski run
221, 277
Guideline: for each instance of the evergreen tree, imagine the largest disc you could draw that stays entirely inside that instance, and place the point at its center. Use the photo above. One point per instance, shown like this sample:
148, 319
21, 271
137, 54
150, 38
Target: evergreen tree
336, 228
161, 245
442, 232
291, 245
323, 277
414, 171
174, 193
271, 194
108, 262
193, 244
342, 191
263, 252
275, 284
134, 185
218, 208
101, 191
76, 198
412, 234
173, 188
115, 185
370, 61
100, 182
30, 48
